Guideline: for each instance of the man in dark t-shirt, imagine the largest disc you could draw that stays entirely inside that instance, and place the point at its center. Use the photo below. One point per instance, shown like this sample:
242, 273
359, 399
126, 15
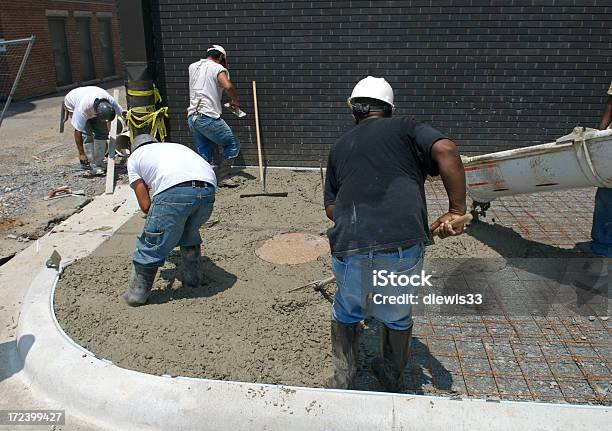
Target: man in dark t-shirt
374, 194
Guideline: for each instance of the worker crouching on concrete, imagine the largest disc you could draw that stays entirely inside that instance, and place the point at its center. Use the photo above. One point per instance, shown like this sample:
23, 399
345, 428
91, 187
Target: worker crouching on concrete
208, 78
374, 194
91, 110
176, 189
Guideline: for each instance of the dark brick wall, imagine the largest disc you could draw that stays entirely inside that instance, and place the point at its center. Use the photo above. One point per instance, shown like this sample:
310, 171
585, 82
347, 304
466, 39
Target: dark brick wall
491, 74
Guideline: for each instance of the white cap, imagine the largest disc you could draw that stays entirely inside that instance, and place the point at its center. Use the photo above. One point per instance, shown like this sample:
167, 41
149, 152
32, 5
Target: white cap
217, 48
373, 88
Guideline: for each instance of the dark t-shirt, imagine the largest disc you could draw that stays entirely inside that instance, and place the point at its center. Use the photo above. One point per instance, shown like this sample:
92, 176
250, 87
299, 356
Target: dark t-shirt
375, 178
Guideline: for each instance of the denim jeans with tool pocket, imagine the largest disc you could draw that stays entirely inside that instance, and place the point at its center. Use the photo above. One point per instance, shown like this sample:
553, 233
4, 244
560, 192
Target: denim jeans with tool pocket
354, 300
208, 132
174, 218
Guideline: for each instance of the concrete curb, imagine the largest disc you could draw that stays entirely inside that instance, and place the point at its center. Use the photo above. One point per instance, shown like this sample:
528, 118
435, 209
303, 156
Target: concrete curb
110, 397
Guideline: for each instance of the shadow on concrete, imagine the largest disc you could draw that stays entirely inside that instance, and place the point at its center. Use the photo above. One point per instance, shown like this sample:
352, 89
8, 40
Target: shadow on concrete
423, 372
16, 108
426, 370
216, 280
13, 355
575, 278
510, 244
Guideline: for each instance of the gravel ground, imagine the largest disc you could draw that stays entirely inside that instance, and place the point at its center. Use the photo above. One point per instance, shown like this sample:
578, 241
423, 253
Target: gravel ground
36, 158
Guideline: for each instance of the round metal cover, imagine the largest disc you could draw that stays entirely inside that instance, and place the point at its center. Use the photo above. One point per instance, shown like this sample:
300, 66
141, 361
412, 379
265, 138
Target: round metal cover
293, 248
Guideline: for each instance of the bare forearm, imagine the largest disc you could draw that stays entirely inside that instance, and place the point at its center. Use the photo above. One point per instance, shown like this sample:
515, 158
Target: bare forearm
78, 139
231, 92
144, 204
447, 156
142, 195
329, 211
606, 117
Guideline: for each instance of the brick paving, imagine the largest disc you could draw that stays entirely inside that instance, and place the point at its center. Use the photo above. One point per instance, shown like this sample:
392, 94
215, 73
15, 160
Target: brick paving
551, 346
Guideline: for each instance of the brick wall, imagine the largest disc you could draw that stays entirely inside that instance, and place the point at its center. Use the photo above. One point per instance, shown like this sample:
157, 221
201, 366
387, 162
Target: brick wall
19, 19
491, 74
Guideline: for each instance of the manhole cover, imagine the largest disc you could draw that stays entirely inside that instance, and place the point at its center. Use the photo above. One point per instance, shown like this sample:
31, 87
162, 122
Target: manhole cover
293, 248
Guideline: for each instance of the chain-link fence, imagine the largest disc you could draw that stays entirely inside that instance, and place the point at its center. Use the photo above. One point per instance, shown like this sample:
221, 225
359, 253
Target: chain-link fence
13, 58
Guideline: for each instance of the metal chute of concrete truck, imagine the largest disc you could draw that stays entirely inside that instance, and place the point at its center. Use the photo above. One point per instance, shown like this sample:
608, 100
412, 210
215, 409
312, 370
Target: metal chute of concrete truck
581, 159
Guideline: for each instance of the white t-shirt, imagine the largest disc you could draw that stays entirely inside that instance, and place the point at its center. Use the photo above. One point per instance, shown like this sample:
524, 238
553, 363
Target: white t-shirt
80, 103
204, 90
162, 165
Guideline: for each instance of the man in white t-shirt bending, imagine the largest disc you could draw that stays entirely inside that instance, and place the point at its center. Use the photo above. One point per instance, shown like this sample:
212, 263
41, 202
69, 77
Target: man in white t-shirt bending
91, 110
208, 78
176, 189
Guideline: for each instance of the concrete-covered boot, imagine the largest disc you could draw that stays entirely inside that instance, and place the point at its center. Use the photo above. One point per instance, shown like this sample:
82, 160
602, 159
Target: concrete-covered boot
191, 268
224, 173
99, 151
140, 285
345, 353
395, 351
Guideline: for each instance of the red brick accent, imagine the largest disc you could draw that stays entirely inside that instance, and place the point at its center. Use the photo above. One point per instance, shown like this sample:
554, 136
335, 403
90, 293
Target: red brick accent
19, 19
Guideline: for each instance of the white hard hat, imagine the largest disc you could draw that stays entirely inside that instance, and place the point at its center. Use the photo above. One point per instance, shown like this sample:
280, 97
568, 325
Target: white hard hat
217, 48
373, 88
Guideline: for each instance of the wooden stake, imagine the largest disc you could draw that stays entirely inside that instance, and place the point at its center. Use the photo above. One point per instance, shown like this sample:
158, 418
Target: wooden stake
316, 285
256, 109
110, 161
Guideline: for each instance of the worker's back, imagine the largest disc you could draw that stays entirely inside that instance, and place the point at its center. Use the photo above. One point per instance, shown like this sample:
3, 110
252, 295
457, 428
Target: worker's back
375, 180
162, 165
204, 89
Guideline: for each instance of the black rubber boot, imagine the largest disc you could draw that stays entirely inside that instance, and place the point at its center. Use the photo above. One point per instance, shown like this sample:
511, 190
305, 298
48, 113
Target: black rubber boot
224, 174
395, 351
191, 269
140, 285
345, 353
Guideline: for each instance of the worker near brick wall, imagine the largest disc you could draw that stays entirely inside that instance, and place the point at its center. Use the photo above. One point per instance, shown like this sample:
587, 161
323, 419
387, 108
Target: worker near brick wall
91, 109
601, 232
208, 78
176, 189
374, 194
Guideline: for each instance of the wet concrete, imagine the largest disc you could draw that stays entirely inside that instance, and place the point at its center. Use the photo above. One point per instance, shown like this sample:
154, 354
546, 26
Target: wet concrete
241, 324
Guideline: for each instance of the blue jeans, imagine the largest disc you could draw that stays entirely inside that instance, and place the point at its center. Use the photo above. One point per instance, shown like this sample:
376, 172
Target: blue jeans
601, 232
356, 294
174, 218
208, 132
96, 129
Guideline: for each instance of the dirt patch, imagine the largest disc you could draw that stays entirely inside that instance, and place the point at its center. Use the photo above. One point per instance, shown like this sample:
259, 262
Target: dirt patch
9, 223
241, 324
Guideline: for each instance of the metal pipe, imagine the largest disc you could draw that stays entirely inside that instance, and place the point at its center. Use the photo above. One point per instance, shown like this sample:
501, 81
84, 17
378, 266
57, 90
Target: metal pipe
30, 40
15, 41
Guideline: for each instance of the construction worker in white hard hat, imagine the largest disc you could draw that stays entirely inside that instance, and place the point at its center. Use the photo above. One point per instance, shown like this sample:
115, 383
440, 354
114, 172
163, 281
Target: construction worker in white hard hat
208, 78
374, 194
601, 232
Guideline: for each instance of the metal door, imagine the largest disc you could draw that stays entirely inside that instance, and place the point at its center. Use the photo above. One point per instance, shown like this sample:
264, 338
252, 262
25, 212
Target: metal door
61, 59
88, 71
106, 43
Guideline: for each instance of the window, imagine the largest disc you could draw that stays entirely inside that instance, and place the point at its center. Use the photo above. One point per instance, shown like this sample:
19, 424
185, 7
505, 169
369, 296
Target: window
88, 71
61, 59
106, 43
